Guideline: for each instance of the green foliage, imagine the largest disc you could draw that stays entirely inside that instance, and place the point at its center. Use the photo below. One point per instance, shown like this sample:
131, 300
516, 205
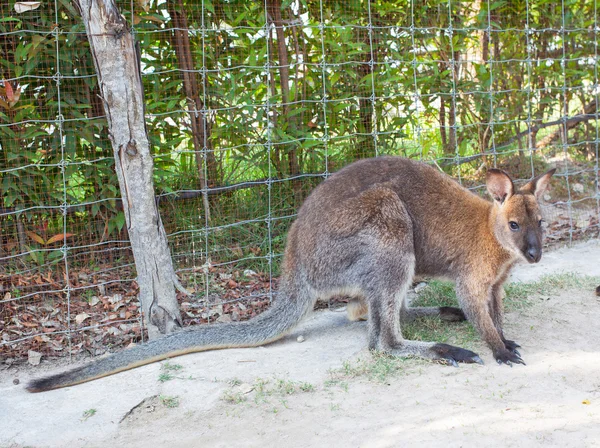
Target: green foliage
431, 80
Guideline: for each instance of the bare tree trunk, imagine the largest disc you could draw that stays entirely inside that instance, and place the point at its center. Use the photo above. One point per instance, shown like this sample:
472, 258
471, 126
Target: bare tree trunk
117, 62
443, 130
199, 123
589, 110
274, 11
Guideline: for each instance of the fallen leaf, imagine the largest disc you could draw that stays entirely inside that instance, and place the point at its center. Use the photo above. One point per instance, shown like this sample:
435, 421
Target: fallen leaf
80, 318
59, 237
586, 402
22, 7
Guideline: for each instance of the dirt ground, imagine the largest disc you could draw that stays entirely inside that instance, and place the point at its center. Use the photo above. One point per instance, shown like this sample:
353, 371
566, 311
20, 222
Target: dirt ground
286, 395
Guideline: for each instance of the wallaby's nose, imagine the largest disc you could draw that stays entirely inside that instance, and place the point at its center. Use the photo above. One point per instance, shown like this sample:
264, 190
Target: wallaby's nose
534, 254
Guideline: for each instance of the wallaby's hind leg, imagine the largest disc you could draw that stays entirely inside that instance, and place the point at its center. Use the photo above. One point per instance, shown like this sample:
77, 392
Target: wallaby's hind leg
387, 272
446, 313
385, 332
358, 310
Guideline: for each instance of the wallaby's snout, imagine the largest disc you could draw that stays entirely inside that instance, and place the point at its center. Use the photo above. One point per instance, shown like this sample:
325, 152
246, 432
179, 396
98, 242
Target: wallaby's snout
534, 254
533, 248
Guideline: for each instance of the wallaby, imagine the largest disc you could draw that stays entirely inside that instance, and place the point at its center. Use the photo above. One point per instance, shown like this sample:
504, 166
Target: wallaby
366, 232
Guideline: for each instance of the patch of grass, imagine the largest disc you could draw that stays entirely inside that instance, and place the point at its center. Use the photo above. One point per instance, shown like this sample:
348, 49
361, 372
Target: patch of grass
87, 414
169, 402
264, 389
306, 387
281, 387
167, 370
163, 377
233, 397
333, 381
171, 367
380, 367
519, 292
437, 293
234, 382
461, 334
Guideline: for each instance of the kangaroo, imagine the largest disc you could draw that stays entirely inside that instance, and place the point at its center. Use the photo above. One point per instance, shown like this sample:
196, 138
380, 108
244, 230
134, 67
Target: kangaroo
366, 232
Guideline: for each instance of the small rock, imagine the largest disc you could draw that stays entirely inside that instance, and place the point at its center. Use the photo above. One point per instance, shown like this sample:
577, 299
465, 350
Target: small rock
241, 306
249, 273
547, 197
225, 318
34, 358
94, 301
300, 338
577, 188
224, 276
420, 287
116, 298
245, 388
114, 331
216, 310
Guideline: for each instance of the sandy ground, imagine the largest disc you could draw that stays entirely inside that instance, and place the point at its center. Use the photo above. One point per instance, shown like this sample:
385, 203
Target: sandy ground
553, 401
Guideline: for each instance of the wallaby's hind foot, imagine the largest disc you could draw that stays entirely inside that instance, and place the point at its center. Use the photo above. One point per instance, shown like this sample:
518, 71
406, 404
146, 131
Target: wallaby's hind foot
453, 355
446, 313
448, 354
452, 314
357, 310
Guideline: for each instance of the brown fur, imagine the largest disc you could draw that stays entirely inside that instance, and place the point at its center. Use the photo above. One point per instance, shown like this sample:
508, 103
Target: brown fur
366, 232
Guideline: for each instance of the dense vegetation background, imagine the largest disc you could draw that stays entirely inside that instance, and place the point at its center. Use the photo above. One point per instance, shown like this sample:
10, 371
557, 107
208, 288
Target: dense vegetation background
254, 103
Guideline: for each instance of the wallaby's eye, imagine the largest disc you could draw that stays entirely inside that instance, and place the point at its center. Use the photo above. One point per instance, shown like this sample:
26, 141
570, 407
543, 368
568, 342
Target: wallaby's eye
513, 226
540, 222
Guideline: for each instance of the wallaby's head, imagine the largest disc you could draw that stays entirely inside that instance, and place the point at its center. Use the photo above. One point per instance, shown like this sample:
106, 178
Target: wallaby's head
517, 218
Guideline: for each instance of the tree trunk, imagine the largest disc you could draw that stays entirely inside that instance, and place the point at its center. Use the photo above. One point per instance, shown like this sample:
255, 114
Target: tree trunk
117, 63
589, 111
274, 11
365, 143
199, 123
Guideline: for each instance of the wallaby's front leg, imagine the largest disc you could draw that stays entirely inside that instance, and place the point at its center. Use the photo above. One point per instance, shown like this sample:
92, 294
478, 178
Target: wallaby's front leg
497, 313
475, 301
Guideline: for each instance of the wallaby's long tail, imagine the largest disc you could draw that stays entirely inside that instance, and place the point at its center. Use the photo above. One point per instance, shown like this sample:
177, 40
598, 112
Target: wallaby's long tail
269, 326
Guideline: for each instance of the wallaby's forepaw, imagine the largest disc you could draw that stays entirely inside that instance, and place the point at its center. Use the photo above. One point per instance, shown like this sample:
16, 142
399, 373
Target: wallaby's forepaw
512, 346
452, 314
508, 357
453, 355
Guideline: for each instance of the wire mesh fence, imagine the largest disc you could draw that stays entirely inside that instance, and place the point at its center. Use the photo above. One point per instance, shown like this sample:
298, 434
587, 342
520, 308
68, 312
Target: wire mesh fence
249, 105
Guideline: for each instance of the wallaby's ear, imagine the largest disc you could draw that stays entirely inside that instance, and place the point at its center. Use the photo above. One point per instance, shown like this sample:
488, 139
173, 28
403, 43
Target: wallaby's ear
499, 185
538, 185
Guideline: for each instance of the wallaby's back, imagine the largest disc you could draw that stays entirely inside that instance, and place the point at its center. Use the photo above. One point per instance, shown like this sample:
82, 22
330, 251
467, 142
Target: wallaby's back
449, 222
